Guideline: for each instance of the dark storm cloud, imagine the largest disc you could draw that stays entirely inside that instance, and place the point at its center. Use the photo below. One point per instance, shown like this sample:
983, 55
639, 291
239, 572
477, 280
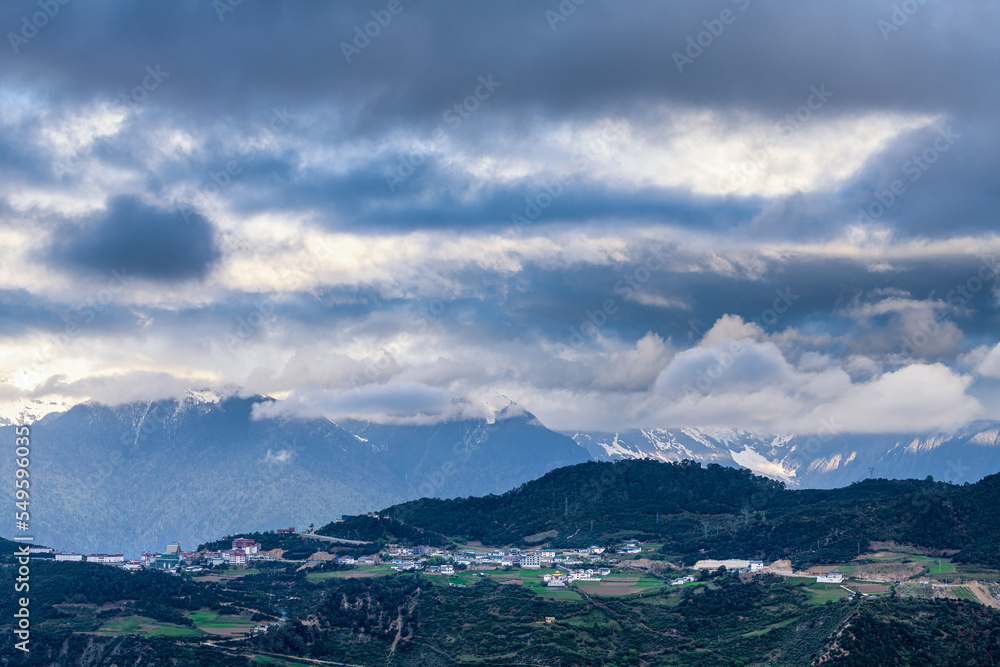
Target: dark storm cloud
433, 197
605, 58
810, 294
770, 254
142, 240
606, 55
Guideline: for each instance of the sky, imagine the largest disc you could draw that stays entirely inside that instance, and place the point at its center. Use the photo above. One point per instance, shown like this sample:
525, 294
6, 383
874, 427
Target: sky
764, 215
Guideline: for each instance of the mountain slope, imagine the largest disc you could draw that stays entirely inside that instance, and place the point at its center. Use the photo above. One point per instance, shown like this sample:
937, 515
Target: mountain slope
136, 476
463, 458
823, 461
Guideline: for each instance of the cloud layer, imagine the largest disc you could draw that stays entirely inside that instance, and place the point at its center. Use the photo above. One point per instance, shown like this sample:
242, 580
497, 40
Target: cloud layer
743, 214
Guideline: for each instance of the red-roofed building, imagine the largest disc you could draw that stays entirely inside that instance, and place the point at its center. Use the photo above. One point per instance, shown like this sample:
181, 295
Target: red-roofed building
235, 557
249, 546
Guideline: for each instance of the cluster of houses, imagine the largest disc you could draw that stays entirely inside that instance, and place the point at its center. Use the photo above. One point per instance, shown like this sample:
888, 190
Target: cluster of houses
172, 559
415, 558
568, 576
241, 552
631, 548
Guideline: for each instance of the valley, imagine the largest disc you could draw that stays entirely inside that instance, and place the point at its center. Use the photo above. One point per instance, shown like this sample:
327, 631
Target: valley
661, 567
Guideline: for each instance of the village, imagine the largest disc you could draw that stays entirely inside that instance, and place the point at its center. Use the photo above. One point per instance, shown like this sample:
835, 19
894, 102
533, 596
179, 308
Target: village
429, 560
624, 569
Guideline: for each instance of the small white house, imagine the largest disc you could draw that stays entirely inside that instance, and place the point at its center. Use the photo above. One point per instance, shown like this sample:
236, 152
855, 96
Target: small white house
756, 565
831, 578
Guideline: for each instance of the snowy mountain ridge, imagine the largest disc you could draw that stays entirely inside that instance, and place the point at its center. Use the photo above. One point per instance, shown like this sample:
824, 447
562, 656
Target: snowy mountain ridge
808, 461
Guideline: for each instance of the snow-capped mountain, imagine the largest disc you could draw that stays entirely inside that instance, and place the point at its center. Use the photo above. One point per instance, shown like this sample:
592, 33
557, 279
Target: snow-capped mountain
28, 410
814, 461
136, 476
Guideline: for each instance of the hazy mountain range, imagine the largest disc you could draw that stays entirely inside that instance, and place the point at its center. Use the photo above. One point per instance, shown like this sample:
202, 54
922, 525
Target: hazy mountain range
136, 476
133, 477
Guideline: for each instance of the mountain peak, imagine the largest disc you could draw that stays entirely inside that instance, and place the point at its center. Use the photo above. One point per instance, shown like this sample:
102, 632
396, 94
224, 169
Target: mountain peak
29, 410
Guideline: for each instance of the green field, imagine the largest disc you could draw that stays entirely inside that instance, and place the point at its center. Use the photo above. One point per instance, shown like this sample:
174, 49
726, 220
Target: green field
541, 537
84, 618
277, 662
964, 594
773, 626
944, 567
823, 593
320, 576
146, 627
979, 574
229, 573
233, 572
211, 620
558, 593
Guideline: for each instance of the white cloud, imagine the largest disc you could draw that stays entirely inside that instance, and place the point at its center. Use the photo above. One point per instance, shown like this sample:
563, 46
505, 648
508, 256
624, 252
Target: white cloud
989, 365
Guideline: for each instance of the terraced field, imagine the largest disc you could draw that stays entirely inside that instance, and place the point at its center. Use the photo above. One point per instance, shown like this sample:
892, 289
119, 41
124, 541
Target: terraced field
228, 626
145, 627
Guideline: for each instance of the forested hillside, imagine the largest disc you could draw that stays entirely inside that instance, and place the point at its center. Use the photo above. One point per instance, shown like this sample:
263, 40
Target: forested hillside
711, 512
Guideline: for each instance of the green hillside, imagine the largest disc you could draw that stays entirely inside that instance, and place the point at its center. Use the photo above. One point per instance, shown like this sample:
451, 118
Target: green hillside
712, 512
90, 615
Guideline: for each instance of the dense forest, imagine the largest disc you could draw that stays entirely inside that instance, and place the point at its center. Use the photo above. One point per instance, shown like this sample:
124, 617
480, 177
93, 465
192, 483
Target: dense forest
919, 632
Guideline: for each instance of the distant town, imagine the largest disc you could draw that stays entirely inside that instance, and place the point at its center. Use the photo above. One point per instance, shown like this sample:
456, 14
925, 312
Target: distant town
563, 566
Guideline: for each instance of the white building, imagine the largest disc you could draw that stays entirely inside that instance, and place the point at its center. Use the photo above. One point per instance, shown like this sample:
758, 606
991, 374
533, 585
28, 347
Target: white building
529, 561
235, 557
831, 578
69, 557
107, 559
406, 565
756, 565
